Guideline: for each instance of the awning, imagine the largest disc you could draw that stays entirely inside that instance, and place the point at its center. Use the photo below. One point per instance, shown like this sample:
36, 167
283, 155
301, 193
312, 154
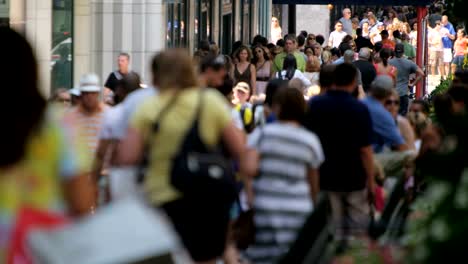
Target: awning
355, 2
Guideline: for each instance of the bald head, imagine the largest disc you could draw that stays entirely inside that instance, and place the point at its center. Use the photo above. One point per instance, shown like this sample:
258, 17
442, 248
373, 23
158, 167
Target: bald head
444, 20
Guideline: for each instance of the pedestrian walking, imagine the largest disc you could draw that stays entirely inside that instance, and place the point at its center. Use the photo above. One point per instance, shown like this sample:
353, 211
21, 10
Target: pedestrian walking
344, 127
123, 64
286, 186
181, 114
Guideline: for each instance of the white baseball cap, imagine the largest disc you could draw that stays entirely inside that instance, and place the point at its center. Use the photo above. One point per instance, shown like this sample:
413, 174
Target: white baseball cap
75, 91
90, 83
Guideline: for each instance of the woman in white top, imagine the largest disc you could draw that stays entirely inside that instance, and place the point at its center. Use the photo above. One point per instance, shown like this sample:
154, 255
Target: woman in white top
290, 71
276, 33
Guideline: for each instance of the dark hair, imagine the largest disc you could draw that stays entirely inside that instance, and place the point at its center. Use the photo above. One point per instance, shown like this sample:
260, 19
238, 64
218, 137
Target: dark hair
335, 52
385, 54
226, 88
259, 40
270, 45
291, 103
235, 46
344, 74
459, 93
358, 31
343, 47
255, 58
204, 45
378, 46
304, 33
300, 40
326, 76
424, 104
463, 30
320, 39
272, 88
290, 66
280, 43
20, 80
396, 34
215, 62
347, 38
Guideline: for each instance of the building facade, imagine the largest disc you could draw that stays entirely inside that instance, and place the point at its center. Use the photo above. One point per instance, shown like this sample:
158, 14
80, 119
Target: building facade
73, 37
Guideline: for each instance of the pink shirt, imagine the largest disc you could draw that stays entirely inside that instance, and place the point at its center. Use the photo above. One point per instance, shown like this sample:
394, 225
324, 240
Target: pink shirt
460, 46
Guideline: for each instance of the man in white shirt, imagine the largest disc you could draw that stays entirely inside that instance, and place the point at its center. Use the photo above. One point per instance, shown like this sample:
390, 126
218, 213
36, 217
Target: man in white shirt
336, 36
436, 48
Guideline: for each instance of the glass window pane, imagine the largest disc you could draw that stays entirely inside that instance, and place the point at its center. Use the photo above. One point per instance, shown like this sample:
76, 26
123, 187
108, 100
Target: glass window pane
62, 44
4, 13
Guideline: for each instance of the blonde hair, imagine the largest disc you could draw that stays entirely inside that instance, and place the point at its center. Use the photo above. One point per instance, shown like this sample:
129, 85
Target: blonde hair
326, 56
174, 69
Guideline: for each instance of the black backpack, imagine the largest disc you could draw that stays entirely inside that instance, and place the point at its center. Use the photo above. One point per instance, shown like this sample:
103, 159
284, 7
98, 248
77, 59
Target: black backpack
198, 170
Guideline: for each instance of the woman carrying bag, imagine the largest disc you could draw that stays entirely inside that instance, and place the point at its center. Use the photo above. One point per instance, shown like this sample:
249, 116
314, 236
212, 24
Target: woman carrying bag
181, 126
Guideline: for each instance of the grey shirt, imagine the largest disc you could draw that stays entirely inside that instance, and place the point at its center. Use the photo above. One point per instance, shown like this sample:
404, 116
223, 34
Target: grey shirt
347, 26
405, 67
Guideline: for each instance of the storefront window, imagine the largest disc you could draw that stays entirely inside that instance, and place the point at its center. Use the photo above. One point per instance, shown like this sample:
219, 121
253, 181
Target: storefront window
176, 18
62, 44
4, 12
227, 25
246, 20
203, 20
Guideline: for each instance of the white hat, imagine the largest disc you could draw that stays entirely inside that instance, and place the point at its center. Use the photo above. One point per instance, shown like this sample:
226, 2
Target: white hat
89, 83
75, 91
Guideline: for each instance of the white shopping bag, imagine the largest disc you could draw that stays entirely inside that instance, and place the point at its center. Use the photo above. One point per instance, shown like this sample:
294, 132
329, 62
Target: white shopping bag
126, 231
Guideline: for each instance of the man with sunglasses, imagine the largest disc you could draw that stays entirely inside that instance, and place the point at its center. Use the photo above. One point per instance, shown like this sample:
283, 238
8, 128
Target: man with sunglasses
384, 127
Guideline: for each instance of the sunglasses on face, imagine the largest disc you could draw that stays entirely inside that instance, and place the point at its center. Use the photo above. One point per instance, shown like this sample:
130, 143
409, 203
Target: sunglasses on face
392, 102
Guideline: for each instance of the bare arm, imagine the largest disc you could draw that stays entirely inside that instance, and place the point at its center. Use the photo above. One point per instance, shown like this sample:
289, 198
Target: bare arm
367, 157
419, 75
101, 151
253, 79
313, 179
80, 193
130, 149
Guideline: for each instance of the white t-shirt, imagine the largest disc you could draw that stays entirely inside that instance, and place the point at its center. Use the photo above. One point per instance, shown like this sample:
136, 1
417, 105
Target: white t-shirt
297, 74
336, 38
435, 40
111, 128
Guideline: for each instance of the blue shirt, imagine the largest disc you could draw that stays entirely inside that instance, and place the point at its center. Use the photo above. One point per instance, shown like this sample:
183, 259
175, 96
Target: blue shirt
384, 127
448, 43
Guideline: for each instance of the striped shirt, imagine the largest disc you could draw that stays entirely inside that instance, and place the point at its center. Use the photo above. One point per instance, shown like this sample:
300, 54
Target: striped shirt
88, 125
282, 193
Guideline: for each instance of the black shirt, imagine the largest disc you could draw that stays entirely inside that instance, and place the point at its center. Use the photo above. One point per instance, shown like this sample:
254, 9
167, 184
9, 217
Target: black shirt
114, 78
368, 73
362, 42
344, 126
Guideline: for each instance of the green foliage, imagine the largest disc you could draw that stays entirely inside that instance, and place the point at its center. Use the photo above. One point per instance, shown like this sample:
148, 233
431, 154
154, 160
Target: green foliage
442, 87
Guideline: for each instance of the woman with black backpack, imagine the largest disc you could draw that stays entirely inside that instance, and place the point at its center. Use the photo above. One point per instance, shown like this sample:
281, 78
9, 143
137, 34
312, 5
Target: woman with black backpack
181, 133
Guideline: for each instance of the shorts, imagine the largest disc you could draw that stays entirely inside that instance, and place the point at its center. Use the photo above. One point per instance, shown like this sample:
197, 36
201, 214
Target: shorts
436, 58
448, 55
201, 224
458, 60
350, 212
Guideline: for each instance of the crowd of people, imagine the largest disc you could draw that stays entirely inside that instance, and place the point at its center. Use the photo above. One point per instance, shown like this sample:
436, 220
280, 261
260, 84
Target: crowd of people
264, 133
